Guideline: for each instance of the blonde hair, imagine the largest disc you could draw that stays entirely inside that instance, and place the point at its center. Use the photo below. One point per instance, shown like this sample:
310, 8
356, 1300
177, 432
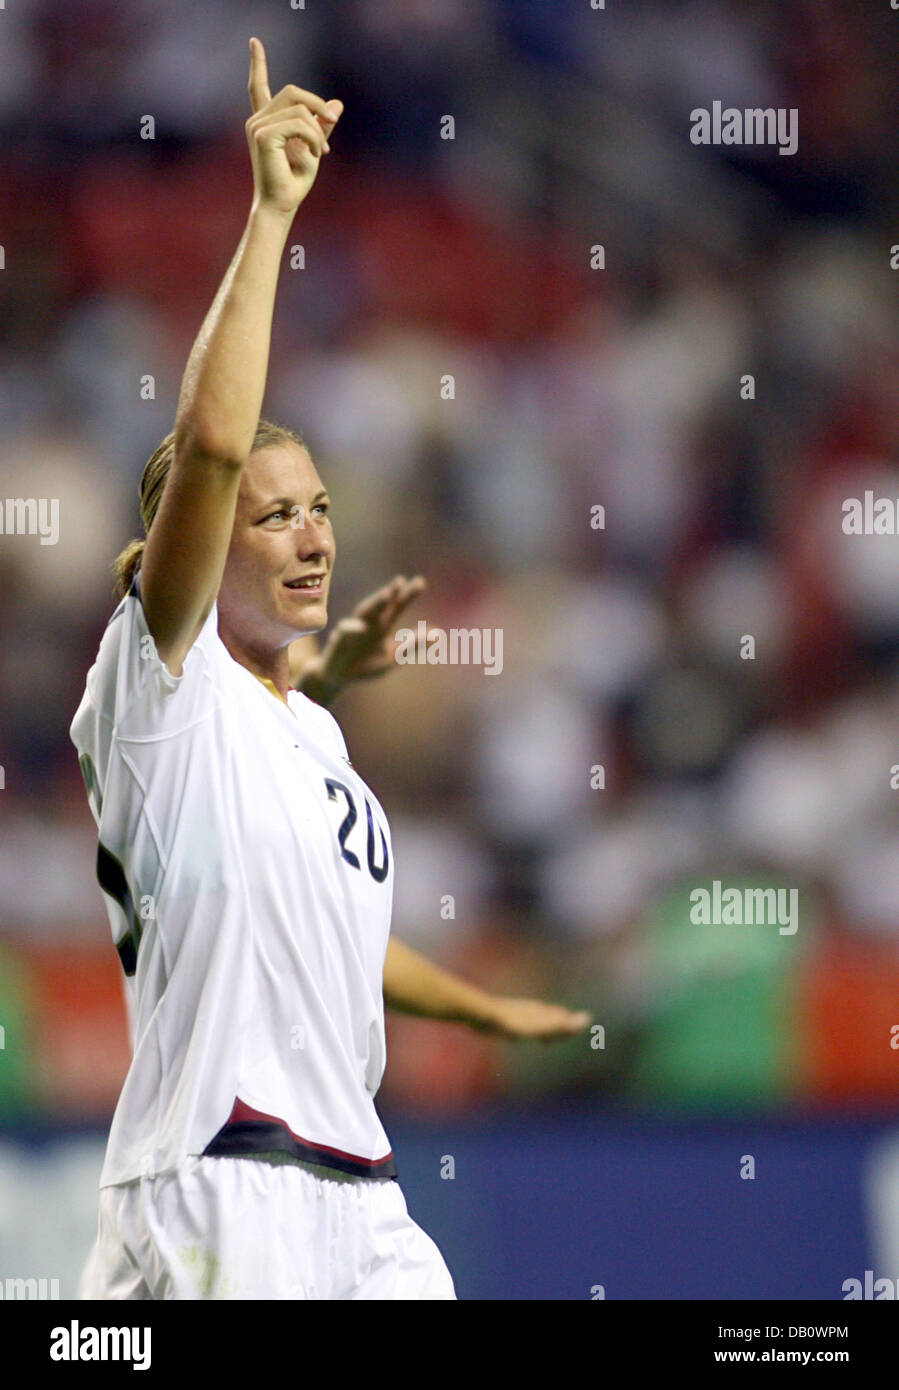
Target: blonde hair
156, 470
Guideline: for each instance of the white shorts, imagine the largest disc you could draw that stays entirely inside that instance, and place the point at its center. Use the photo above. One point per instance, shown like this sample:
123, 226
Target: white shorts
239, 1228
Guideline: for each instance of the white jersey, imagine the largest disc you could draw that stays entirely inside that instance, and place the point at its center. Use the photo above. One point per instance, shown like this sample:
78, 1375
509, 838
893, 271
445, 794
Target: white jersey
248, 876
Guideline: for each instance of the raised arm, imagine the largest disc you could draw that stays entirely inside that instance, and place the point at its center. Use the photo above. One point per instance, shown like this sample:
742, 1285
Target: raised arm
224, 382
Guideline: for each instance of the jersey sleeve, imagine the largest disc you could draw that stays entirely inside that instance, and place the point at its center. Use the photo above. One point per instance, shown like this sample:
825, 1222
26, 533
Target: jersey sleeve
134, 688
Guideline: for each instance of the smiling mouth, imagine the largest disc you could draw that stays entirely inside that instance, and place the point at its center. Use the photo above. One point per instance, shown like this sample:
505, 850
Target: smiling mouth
310, 583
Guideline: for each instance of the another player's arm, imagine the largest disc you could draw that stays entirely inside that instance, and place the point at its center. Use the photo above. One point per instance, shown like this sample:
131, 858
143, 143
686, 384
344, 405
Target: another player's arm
224, 382
358, 647
412, 985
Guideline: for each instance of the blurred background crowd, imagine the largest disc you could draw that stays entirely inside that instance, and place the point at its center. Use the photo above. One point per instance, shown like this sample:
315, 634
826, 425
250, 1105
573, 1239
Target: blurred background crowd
576, 386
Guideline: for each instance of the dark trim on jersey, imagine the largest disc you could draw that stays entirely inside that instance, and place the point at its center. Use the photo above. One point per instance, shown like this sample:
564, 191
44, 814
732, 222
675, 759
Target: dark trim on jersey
112, 880
118, 613
249, 1131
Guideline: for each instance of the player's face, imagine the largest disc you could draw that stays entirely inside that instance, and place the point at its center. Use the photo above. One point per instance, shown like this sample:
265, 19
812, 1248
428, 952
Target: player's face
282, 540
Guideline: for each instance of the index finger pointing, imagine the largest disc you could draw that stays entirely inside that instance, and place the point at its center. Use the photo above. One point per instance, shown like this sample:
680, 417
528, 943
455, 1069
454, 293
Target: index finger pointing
258, 84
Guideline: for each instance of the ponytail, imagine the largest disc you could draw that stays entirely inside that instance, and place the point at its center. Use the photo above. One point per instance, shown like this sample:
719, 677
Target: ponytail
126, 565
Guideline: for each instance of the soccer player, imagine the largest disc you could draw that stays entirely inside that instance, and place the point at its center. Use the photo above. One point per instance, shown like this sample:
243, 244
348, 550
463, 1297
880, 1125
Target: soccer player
246, 866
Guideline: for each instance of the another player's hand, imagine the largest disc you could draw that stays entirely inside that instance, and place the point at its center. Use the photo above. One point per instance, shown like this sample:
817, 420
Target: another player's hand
287, 135
363, 645
532, 1018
